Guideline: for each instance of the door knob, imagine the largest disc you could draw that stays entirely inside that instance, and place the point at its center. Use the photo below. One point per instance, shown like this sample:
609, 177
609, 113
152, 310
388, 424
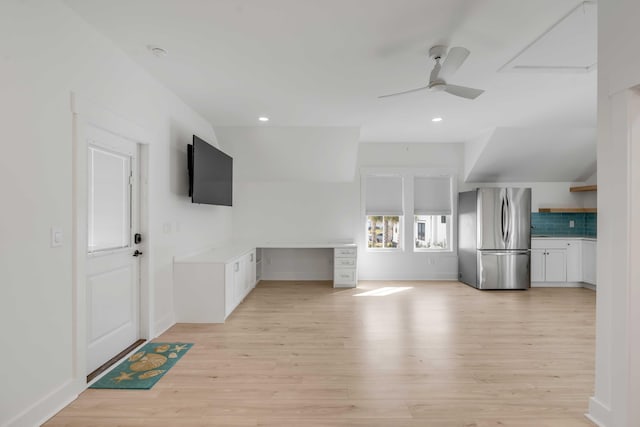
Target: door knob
137, 253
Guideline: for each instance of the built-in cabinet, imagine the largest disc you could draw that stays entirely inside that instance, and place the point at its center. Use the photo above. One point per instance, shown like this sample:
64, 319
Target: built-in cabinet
562, 262
259, 253
548, 265
240, 279
345, 267
209, 286
589, 261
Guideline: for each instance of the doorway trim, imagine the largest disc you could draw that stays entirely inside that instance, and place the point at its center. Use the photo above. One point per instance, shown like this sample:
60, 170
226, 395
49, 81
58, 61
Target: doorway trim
84, 114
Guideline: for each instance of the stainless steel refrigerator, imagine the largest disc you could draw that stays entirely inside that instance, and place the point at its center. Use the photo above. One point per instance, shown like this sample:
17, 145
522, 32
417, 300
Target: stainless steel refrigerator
494, 238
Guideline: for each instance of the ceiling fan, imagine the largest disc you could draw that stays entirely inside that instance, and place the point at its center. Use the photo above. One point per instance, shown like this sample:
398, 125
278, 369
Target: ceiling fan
440, 73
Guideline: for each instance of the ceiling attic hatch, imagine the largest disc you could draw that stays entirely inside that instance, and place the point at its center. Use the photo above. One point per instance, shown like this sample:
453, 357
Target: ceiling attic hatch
569, 46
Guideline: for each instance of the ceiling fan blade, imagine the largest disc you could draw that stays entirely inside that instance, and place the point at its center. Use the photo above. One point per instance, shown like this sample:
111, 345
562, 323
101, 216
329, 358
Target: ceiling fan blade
453, 61
406, 91
464, 92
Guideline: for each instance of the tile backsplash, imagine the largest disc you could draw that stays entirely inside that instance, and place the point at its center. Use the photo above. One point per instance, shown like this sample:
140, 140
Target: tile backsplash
557, 224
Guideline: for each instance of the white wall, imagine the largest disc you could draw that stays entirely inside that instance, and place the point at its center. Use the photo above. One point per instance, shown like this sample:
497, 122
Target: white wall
293, 184
46, 52
545, 194
275, 205
279, 154
617, 386
407, 264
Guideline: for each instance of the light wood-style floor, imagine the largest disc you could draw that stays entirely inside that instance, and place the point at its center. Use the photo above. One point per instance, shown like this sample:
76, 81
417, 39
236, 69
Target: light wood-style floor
438, 354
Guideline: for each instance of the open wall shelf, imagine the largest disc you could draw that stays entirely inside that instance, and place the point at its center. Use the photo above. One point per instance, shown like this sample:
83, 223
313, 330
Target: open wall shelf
583, 188
567, 210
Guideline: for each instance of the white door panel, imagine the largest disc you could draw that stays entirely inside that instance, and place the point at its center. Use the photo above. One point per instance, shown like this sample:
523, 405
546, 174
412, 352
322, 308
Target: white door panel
108, 310
112, 270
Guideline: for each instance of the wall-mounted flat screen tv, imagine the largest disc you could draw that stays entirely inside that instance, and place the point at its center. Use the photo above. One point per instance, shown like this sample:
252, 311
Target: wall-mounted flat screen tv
210, 174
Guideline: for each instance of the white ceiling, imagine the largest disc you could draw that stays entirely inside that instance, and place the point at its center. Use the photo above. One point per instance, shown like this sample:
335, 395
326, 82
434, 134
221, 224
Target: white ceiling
552, 154
324, 62
571, 45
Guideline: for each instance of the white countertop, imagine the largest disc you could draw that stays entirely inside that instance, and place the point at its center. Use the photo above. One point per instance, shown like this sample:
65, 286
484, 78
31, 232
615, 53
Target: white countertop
235, 249
306, 245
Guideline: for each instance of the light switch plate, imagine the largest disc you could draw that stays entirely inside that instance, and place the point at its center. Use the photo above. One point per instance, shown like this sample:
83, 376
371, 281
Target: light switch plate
56, 237
572, 223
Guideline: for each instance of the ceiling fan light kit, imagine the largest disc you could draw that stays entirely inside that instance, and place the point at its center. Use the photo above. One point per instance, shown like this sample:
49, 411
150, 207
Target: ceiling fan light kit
453, 59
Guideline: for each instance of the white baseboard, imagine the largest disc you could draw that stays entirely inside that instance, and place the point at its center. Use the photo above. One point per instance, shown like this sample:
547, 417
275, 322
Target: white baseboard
163, 325
599, 414
299, 275
49, 405
557, 284
432, 276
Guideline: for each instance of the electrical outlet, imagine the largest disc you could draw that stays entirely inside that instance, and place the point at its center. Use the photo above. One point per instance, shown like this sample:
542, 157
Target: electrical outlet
572, 223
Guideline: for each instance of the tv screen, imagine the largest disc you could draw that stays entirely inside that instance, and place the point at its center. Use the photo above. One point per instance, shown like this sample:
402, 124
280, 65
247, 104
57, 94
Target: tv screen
210, 174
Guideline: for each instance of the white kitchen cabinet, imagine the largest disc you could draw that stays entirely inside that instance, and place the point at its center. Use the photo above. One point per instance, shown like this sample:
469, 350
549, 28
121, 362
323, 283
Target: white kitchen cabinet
574, 260
589, 261
562, 262
548, 265
537, 265
555, 265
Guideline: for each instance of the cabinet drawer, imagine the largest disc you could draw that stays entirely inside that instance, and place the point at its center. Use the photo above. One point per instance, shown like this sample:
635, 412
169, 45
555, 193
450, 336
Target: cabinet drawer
344, 276
345, 252
345, 262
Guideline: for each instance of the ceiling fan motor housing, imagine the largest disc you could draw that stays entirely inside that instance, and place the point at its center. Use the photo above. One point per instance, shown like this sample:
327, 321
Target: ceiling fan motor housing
438, 52
437, 86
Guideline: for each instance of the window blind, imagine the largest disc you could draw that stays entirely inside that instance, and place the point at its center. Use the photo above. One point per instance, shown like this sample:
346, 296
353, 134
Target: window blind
383, 195
432, 196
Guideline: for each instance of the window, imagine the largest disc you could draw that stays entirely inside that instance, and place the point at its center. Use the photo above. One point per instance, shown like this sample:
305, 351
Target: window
432, 213
421, 229
384, 212
383, 231
109, 213
432, 231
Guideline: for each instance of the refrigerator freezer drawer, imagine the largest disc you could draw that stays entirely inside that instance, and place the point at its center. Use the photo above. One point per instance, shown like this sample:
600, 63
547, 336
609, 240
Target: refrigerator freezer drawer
503, 270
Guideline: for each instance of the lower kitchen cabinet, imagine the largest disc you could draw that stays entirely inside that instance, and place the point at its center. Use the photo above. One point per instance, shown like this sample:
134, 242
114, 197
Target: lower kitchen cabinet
589, 261
548, 265
562, 262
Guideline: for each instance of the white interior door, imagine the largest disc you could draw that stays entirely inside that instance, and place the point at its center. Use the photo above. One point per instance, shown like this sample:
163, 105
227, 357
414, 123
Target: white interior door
113, 282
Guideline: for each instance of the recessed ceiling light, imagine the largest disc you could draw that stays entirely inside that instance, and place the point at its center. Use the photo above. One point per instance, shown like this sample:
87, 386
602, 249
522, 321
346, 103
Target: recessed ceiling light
157, 51
263, 119
436, 119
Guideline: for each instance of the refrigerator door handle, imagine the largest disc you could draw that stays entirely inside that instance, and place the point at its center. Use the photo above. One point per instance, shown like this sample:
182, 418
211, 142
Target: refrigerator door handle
505, 253
508, 221
503, 220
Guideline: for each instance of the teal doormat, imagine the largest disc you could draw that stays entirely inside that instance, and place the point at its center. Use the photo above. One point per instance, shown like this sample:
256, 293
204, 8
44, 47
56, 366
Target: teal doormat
144, 368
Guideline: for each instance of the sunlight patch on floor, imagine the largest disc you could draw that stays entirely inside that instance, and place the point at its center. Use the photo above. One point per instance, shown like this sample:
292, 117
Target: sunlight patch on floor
382, 292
